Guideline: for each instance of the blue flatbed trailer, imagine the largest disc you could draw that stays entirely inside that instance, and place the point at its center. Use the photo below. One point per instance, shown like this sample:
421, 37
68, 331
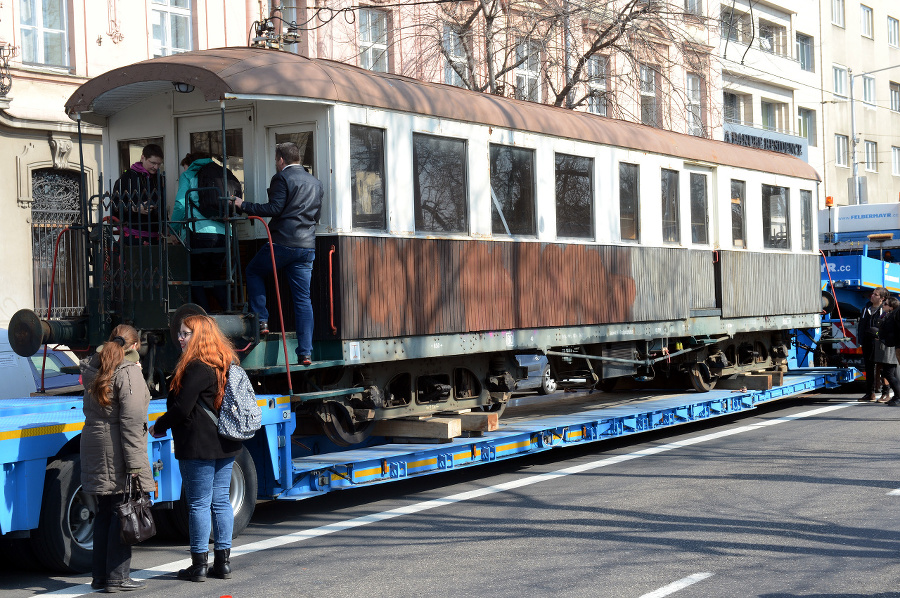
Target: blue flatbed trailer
39, 447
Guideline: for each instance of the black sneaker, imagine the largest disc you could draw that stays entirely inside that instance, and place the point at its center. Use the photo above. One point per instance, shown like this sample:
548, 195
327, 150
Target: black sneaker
305, 360
893, 402
126, 585
263, 328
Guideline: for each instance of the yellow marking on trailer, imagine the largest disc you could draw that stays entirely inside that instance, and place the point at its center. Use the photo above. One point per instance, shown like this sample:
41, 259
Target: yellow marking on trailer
513, 445
283, 401
414, 464
41, 431
363, 473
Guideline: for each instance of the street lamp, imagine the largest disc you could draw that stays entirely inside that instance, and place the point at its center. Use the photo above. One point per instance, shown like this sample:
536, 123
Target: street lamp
853, 140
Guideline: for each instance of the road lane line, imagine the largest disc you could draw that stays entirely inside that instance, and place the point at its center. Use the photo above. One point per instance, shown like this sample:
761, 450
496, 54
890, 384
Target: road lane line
316, 532
894, 492
677, 585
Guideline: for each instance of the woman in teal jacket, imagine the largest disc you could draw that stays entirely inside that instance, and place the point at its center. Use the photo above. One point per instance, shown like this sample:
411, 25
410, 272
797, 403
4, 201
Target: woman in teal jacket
204, 233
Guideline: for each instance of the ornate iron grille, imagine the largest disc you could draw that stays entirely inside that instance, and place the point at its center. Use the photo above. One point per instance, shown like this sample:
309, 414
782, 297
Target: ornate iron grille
56, 196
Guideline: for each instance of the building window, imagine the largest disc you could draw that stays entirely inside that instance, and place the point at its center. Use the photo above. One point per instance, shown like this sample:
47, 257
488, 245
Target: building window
670, 227
738, 195
840, 150
871, 156
805, 54
699, 212
868, 89
440, 184
895, 161
895, 96
693, 7
773, 38
893, 31
806, 220
512, 190
574, 197
695, 115
171, 26
839, 80
42, 24
373, 40
629, 201
735, 26
598, 73
837, 12
528, 71
865, 21
649, 96
806, 121
738, 108
456, 67
774, 115
367, 184
776, 217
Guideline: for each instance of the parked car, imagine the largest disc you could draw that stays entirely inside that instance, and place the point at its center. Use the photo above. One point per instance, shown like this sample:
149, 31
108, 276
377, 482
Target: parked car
537, 376
21, 376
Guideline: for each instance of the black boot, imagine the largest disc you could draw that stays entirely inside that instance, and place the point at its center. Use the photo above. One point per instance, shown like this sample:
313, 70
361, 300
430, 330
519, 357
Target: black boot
197, 571
221, 564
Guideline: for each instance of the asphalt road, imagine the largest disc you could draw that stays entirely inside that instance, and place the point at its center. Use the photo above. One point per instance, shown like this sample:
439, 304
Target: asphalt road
791, 501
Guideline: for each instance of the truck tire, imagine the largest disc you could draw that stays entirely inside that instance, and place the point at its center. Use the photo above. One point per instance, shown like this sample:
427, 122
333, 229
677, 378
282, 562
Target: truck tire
243, 493
64, 538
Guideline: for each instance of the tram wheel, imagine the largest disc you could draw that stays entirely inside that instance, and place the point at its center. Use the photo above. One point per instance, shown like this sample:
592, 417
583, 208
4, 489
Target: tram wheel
338, 427
701, 378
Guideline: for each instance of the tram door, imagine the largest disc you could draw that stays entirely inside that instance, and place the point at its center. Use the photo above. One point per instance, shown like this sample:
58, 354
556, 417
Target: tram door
706, 265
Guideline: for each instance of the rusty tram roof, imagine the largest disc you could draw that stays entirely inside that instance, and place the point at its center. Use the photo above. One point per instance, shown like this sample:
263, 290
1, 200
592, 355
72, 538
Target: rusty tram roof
258, 72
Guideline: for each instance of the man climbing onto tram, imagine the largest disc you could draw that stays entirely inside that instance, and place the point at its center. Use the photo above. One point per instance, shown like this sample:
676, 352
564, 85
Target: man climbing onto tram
295, 202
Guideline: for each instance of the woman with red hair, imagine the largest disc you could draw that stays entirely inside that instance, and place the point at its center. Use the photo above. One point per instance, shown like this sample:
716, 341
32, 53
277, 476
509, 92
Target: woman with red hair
204, 457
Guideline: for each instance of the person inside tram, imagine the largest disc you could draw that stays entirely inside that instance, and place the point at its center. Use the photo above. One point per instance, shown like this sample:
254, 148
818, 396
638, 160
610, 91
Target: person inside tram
137, 195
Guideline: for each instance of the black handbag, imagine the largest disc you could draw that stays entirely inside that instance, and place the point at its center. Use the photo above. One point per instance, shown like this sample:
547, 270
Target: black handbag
134, 513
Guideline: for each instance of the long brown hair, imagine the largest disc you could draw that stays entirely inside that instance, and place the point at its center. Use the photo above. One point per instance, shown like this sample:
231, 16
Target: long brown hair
111, 356
209, 345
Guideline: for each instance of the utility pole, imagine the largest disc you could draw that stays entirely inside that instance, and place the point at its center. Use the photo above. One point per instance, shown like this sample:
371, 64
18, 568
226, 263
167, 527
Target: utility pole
853, 142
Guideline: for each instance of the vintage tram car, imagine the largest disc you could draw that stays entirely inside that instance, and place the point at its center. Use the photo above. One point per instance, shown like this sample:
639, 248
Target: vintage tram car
459, 229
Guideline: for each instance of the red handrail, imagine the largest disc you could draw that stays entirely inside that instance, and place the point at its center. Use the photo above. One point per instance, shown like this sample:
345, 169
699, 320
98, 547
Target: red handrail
287, 362
833, 294
331, 288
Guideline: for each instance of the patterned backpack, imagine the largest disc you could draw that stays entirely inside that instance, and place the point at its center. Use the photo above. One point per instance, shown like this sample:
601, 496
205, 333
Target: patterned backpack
240, 416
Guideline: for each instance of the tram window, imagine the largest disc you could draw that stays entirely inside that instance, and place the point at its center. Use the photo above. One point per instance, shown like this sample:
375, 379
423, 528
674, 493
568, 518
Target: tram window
130, 152
776, 218
210, 143
806, 216
367, 177
574, 197
304, 141
629, 201
738, 195
699, 213
512, 190
440, 184
670, 220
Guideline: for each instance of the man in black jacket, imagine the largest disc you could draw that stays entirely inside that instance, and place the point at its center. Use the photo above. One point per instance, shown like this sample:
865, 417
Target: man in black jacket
866, 337
295, 202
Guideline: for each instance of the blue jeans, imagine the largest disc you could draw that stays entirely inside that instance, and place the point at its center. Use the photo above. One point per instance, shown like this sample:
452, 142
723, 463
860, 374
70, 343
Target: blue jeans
298, 262
205, 483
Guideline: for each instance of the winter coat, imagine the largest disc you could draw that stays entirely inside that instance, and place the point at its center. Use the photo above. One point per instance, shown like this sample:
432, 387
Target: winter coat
867, 328
129, 192
195, 434
188, 180
295, 203
882, 353
114, 438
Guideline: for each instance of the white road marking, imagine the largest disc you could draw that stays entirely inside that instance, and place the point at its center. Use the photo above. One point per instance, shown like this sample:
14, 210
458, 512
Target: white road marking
307, 534
677, 585
894, 492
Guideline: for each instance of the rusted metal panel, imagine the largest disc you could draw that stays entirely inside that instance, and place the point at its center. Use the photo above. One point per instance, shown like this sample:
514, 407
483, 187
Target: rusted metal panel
254, 72
768, 284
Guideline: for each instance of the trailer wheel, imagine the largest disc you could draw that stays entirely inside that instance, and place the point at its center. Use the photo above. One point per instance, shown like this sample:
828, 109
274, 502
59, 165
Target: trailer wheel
242, 493
64, 538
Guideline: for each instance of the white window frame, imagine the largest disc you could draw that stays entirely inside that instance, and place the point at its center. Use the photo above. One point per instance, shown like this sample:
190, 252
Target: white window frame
648, 89
871, 156
806, 125
456, 55
806, 50
693, 91
866, 21
839, 80
372, 51
39, 32
166, 10
597, 71
895, 97
837, 12
528, 73
893, 32
895, 161
868, 83
841, 150
693, 7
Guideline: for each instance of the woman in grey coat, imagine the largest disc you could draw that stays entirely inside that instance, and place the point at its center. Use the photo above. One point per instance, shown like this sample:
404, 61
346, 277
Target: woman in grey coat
113, 447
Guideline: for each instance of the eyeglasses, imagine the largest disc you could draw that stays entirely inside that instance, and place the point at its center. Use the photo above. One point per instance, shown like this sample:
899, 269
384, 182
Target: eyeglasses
182, 334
